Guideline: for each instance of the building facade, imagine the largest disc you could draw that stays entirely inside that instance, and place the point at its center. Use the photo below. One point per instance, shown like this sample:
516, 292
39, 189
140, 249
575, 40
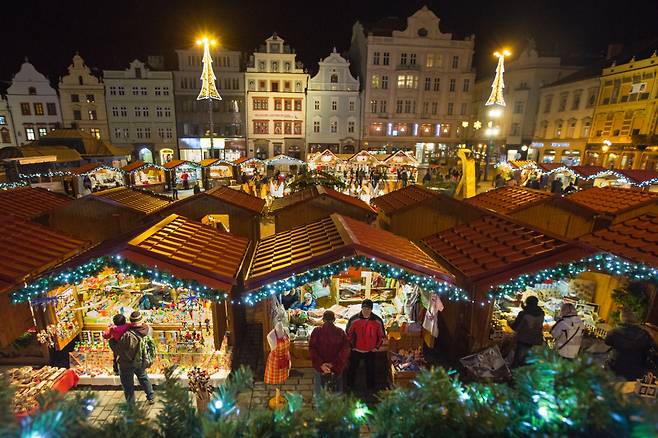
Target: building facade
524, 77
34, 105
141, 111
624, 133
333, 109
416, 84
564, 119
82, 99
275, 101
7, 133
192, 119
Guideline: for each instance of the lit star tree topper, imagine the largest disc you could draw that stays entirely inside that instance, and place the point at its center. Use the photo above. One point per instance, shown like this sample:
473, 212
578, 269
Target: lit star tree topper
208, 87
496, 97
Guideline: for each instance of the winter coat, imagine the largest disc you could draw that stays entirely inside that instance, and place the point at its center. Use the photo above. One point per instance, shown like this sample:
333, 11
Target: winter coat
128, 345
568, 335
365, 334
528, 326
631, 345
329, 344
115, 331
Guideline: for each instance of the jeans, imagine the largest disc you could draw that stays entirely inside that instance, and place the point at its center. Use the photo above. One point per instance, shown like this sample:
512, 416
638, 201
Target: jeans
355, 360
331, 382
128, 383
520, 354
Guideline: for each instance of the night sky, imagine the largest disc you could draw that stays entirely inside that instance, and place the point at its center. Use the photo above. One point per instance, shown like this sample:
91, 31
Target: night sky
111, 34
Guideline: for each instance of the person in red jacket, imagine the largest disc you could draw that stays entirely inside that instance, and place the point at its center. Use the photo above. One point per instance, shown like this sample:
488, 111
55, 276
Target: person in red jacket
365, 331
329, 349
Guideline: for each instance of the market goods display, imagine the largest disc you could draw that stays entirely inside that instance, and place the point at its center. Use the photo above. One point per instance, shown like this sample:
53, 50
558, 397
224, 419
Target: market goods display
30, 383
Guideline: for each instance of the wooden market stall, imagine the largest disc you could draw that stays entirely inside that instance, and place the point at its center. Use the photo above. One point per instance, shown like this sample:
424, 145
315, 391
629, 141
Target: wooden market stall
145, 175
107, 214
216, 172
92, 177
363, 160
283, 164
30, 203
395, 161
416, 212
612, 205
179, 274
595, 176
327, 161
182, 174
28, 250
338, 262
237, 211
249, 166
540, 209
307, 206
644, 179
551, 172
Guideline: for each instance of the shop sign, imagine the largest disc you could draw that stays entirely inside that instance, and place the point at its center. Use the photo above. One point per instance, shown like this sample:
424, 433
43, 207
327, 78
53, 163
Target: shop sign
560, 144
536, 144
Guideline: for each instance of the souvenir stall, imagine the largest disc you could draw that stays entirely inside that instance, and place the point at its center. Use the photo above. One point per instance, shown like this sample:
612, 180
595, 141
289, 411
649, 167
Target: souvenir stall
216, 172
551, 172
92, 177
30, 384
249, 166
184, 300
183, 175
644, 179
399, 160
336, 263
283, 165
327, 161
596, 176
363, 160
145, 175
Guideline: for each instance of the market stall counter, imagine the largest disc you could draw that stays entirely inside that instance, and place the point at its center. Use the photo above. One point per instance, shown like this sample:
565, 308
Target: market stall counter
178, 273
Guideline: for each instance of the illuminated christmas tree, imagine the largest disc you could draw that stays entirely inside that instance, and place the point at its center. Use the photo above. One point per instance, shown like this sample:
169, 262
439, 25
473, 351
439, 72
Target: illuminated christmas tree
208, 88
496, 96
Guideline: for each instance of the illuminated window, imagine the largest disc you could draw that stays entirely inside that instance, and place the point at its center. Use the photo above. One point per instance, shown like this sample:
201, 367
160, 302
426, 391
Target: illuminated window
29, 134
38, 109
92, 115
455, 62
429, 60
374, 81
95, 132
43, 132
91, 98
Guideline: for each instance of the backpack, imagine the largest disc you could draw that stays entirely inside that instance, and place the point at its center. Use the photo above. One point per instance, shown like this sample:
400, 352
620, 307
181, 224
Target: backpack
145, 355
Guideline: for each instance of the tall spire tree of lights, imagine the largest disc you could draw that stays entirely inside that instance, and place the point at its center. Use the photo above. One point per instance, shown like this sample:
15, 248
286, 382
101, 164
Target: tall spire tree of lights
208, 87
496, 97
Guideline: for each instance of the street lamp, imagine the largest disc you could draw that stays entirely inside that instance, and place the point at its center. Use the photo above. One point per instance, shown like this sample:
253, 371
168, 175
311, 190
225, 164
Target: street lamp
208, 87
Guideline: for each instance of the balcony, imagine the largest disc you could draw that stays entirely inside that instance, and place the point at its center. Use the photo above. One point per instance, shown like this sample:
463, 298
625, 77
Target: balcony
408, 67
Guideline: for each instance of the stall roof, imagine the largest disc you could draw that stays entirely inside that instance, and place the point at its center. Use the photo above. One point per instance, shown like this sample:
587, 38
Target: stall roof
243, 160
30, 202
507, 200
85, 168
283, 160
28, 249
402, 199
612, 200
587, 171
329, 240
639, 176
133, 165
190, 250
635, 239
547, 167
494, 249
279, 204
325, 153
238, 198
138, 200
400, 154
520, 164
214, 162
175, 163
364, 152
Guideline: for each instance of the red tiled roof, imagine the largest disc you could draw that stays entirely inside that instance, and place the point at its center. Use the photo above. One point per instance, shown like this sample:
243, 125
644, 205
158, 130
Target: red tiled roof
402, 199
587, 171
330, 240
494, 249
27, 249
134, 199
191, 250
612, 200
240, 160
85, 168
30, 202
309, 194
134, 165
635, 239
547, 167
506, 200
638, 176
238, 198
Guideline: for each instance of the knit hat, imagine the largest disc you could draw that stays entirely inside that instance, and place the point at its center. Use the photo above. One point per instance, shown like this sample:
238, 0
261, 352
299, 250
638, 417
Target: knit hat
367, 303
136, 317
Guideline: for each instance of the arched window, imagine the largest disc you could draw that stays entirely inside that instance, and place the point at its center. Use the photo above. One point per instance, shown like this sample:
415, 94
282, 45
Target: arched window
334, 78
32, 91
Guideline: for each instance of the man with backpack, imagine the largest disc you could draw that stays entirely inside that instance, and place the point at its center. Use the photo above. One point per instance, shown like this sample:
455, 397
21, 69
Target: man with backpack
136, 351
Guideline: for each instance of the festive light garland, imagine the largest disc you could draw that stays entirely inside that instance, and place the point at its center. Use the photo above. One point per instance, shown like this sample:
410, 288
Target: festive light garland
143, 166
608, 263
428, 283
57, 173
648, 182
13, 185
76, 275
608, 172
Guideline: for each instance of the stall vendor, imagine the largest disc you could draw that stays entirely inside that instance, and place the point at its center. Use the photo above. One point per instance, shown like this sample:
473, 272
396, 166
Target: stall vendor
307, 303
289, 298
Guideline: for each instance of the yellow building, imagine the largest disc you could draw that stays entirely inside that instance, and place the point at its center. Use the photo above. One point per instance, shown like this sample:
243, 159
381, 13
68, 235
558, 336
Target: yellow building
624, 132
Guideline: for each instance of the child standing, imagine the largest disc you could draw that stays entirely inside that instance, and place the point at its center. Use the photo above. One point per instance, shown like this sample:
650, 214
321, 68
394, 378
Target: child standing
114, 333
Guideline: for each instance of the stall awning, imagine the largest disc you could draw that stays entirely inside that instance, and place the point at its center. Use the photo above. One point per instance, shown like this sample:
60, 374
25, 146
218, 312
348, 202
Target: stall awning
190, 250
635, 239
283, 160
507, 200
494, 249
237, 198
330, 240
612, 200
640, 177
30, 202
28, 249
138, 200
402, 199
280, 204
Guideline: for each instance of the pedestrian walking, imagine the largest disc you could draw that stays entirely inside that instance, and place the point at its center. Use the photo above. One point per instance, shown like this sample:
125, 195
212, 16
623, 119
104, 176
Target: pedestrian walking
365, 330
329, 349
136, 351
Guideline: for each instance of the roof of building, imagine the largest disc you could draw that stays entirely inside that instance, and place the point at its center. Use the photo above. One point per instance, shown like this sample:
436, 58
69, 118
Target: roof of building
190, 250
385, 26
494, 249
403, 199
634, 239
85, 168
237, 198
27, 249
330, 240
85, 143
612, 200
133, 165
639, 176
175, 163
587, 171
280, 204
64, 154
138, 200
30, 202
509, 199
